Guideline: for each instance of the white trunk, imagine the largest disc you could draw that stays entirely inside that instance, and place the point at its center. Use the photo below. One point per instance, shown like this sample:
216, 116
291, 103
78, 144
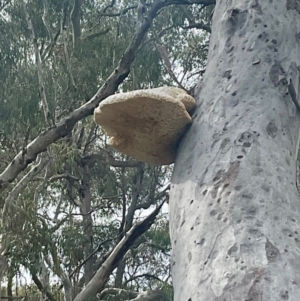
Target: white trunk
234, 205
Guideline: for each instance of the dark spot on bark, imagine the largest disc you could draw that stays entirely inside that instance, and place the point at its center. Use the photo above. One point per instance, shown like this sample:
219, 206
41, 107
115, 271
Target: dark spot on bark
204, 192
202, 242
234, 12
218, 176
274, 41
245, 137
265, 187
277, 74
228, 50
213, 212
247, 144
257, 21
240, 157
192, 228
265, 25
225, 219
220, 216
219, 200
259, 224
190, 299
284, 295
192, 201
272, 129
234, 93
233, 249
272, 252
224, 143
236, 19
227, 74
257, 7
251, 212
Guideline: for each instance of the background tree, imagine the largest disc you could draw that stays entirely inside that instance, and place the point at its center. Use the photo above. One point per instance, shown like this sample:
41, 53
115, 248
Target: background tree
67, 199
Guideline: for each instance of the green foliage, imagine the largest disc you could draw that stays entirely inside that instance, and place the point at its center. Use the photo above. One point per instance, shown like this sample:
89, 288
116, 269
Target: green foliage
73, 213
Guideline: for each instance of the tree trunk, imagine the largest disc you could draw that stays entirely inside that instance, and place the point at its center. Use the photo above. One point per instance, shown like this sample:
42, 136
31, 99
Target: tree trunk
234, 204
87, 228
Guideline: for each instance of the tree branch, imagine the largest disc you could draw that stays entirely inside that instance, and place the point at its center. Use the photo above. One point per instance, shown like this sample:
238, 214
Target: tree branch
41, 288
42, 88
61, 129
99, 280
48, 136
75, 19
46, 21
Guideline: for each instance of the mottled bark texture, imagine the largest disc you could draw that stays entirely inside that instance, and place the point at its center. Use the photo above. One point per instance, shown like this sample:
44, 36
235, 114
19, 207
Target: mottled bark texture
234, 205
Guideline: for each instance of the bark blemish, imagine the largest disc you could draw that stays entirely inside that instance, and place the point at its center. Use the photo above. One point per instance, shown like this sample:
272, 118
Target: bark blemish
224, 143
245, 137
251, 212
236, 19
272, 129
284, 295
272, 252
213, 212
232, 250
220, 216
277, 74
287, 232
227, 74
202, 241
257, 21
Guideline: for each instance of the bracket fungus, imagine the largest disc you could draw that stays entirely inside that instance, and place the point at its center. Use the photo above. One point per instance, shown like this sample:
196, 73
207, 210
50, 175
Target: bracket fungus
146, 124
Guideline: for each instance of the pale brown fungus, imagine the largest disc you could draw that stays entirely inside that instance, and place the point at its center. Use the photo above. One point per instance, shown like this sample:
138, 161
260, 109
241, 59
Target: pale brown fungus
146, 124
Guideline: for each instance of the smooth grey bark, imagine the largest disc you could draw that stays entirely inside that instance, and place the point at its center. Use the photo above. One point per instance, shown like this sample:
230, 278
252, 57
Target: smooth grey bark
234, 204
87, 222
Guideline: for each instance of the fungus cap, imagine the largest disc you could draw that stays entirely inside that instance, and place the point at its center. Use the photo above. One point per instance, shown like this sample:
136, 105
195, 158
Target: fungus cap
146, 124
